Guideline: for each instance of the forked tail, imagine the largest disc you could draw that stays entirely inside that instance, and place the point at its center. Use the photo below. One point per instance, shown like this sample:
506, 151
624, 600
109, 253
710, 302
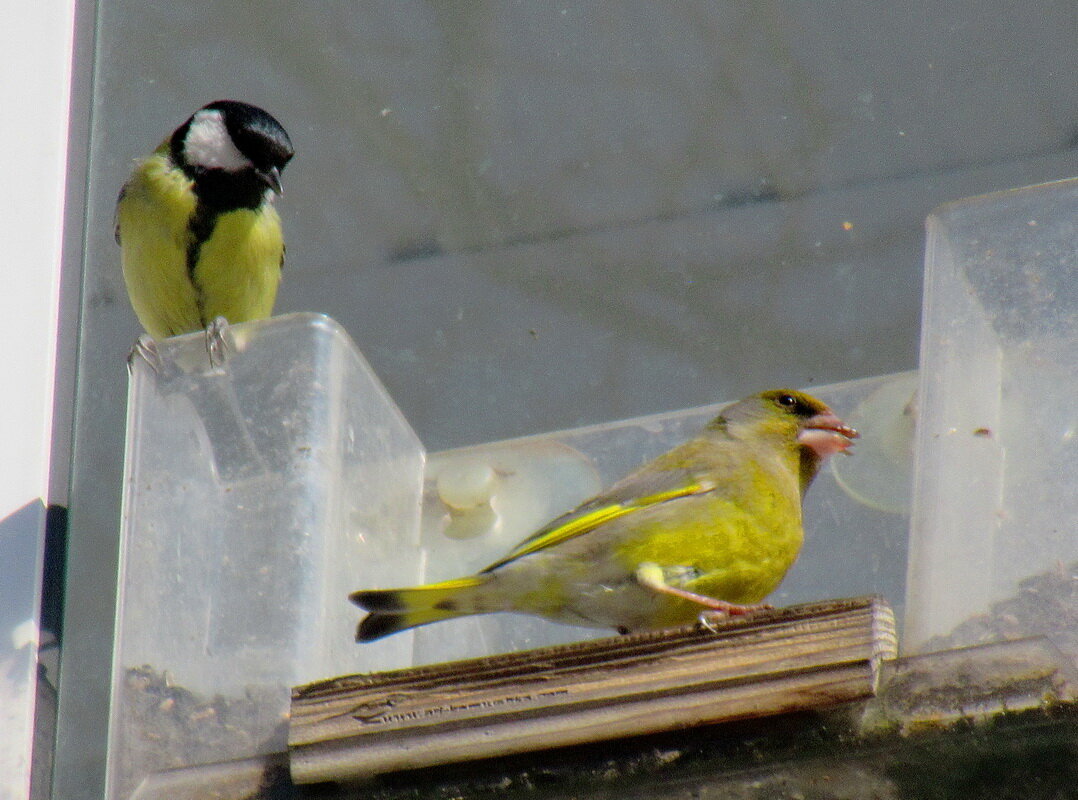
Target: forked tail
393, 610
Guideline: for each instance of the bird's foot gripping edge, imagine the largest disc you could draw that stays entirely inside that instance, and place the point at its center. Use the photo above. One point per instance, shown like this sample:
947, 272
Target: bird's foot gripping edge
145, 348
710, 618
219, 342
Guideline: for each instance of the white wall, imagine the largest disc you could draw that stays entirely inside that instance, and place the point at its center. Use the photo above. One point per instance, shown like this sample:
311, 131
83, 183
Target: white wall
35, 40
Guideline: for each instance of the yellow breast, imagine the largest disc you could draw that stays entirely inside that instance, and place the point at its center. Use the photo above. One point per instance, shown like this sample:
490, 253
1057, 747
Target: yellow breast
237, 270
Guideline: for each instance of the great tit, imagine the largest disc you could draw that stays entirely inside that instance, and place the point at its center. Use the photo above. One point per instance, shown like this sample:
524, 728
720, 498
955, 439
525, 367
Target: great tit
201, 242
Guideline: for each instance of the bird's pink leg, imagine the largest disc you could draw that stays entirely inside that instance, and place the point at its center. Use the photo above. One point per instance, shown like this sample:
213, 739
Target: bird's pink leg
650, 576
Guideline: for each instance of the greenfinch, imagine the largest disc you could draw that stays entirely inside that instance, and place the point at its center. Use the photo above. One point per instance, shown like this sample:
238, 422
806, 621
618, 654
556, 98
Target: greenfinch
709, 528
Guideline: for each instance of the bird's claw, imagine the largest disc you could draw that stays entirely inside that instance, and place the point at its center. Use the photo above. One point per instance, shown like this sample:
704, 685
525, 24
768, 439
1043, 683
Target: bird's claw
218, 344
710, 618
145, 348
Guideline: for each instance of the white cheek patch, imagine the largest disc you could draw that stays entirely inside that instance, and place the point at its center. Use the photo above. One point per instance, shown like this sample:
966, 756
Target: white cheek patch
209, 145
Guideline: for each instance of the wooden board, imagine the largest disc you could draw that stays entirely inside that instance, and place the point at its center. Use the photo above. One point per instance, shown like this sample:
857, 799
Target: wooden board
797, 658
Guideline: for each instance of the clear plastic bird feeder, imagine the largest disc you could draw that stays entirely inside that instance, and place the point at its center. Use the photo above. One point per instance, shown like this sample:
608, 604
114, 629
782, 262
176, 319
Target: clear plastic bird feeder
995, 526
257, 496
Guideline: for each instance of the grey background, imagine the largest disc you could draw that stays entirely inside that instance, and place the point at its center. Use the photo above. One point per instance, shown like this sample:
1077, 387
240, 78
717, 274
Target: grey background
533, 216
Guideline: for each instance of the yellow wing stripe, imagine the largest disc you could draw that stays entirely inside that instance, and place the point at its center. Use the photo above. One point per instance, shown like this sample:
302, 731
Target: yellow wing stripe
456, 583
593, 519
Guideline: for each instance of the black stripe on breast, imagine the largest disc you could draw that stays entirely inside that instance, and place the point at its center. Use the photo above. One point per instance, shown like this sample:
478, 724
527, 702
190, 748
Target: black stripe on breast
201, 227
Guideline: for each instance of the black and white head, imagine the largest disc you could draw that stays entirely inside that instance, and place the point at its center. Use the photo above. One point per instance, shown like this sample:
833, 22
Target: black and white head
234, 152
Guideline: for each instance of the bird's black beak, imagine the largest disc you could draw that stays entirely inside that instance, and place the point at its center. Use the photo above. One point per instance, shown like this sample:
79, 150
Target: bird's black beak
272, 178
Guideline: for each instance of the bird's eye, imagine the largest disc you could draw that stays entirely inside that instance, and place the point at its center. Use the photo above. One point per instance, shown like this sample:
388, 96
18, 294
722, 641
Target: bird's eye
787, 400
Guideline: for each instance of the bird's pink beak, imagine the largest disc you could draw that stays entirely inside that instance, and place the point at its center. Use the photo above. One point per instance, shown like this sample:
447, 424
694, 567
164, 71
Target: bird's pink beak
826, 434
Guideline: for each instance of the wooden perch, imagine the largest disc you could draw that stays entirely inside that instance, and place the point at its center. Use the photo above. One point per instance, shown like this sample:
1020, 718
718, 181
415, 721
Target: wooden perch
791, 659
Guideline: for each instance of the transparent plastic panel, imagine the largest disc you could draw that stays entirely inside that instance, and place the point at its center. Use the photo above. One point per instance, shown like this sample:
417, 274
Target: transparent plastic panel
256, 496
22, 541
481, 501
995, 525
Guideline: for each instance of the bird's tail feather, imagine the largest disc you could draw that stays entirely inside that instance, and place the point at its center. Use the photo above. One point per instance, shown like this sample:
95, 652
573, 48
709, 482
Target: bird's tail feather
393, 610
